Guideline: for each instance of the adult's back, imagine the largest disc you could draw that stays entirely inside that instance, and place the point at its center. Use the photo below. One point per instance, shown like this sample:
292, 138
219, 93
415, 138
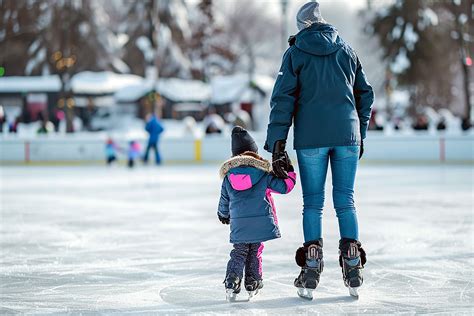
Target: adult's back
322, 87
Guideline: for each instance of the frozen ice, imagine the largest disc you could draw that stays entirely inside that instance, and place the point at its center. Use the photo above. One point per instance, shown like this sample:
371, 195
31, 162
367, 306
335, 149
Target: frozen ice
111, 240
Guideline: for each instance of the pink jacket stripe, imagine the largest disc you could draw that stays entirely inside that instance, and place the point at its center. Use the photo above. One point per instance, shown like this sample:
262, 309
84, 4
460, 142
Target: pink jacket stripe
290, 182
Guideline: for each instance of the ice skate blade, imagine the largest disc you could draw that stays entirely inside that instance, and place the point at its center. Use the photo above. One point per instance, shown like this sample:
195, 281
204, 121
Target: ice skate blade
307, 294
354, 292
252, 294
230, 296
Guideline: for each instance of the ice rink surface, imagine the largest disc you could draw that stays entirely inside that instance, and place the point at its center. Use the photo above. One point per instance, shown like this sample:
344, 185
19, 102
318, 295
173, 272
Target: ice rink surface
92, 239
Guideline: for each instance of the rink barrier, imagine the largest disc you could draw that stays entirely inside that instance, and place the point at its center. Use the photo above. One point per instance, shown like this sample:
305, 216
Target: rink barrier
27, 151
442, 149
216, 148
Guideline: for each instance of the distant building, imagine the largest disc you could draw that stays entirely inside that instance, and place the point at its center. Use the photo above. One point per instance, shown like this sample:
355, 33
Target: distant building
36, 96
177, 98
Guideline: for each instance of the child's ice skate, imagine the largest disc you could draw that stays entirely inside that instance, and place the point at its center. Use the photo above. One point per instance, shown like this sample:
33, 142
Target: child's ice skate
310, 259
352, 260
253, 286
232, 287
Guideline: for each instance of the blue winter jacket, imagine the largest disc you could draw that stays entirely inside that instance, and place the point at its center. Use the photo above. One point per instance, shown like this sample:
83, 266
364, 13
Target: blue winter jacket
246, 198
322, 88
154, 128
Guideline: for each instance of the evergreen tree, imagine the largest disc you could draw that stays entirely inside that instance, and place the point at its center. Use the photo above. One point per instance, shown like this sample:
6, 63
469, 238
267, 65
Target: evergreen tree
416, 36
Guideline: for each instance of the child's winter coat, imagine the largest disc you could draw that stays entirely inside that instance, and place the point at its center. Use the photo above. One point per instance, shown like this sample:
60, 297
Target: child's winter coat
133, 150
246, 197
110, 149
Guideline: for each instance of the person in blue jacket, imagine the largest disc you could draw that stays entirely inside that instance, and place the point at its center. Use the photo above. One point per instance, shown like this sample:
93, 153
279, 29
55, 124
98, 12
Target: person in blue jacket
321, 90
247, 205
154, 128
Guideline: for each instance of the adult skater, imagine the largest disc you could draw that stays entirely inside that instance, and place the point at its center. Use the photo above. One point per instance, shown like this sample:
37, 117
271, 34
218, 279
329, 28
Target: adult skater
322, 88
154, 129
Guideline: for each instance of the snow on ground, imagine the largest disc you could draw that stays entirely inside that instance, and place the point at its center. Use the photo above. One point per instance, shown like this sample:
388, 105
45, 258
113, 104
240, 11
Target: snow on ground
96, 239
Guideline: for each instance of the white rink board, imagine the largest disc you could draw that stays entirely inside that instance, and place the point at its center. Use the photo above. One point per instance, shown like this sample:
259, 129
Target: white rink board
92, 239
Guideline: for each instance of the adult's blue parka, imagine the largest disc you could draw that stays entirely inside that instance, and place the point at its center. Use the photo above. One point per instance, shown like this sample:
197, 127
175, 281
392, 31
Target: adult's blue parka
154, 129
322, 89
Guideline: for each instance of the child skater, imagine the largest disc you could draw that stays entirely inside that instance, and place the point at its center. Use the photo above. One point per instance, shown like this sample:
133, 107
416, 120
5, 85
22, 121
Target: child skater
111, 149
133, 152
247, 205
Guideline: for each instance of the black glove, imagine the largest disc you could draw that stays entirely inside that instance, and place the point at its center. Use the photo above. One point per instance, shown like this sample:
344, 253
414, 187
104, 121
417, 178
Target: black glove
280, 160
224, 220
361, 152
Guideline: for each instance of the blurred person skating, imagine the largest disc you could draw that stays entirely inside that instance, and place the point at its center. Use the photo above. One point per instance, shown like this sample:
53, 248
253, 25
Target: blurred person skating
247, 205
111, 149
154, 128
133, 153
3, 118
13, 126
213, 122
321, 88
45, 125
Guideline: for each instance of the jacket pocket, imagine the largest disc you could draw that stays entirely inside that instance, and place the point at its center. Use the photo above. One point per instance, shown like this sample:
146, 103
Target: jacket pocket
353, 149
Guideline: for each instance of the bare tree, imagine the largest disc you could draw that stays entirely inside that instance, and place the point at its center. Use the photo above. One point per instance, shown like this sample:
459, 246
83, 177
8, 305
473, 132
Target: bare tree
251, 33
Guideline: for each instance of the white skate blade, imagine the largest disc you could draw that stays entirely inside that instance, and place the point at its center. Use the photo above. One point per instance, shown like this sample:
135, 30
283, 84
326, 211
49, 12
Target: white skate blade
354, 292
252, 294
230, 296
307, 294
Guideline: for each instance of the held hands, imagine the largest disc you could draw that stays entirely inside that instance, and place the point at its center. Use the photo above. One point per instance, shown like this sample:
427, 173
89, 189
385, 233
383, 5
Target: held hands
281, 163
224, 220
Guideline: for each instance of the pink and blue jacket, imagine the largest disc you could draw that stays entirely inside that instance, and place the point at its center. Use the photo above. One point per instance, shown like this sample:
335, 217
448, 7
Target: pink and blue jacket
246, 198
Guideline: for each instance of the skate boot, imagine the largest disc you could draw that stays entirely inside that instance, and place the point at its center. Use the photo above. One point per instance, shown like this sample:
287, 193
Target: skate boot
253, 286
352, 260
232, 286
310, 259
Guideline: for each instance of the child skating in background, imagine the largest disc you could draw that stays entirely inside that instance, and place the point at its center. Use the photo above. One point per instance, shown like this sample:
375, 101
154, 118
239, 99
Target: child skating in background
133, 152
247, 205
111, 149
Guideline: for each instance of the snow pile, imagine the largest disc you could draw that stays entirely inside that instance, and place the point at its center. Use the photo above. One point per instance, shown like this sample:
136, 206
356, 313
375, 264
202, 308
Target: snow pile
401, 62
133, 92
30, 84
184, 90
228, 89
427, 17
106, 82
171, 88
410, 36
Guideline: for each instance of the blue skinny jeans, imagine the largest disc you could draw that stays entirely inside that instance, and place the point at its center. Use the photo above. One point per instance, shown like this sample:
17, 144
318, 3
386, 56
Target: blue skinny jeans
313, 164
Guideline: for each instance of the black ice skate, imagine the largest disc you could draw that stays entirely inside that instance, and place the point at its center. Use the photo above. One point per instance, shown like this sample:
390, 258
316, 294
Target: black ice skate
253, 286
232, 287
310, 259
352, 260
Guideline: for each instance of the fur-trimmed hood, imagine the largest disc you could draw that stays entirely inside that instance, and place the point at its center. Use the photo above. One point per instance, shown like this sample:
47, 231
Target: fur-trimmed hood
247, 159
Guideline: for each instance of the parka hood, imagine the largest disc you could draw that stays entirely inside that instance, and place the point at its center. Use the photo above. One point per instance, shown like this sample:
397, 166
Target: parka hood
245, 170
319, 39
